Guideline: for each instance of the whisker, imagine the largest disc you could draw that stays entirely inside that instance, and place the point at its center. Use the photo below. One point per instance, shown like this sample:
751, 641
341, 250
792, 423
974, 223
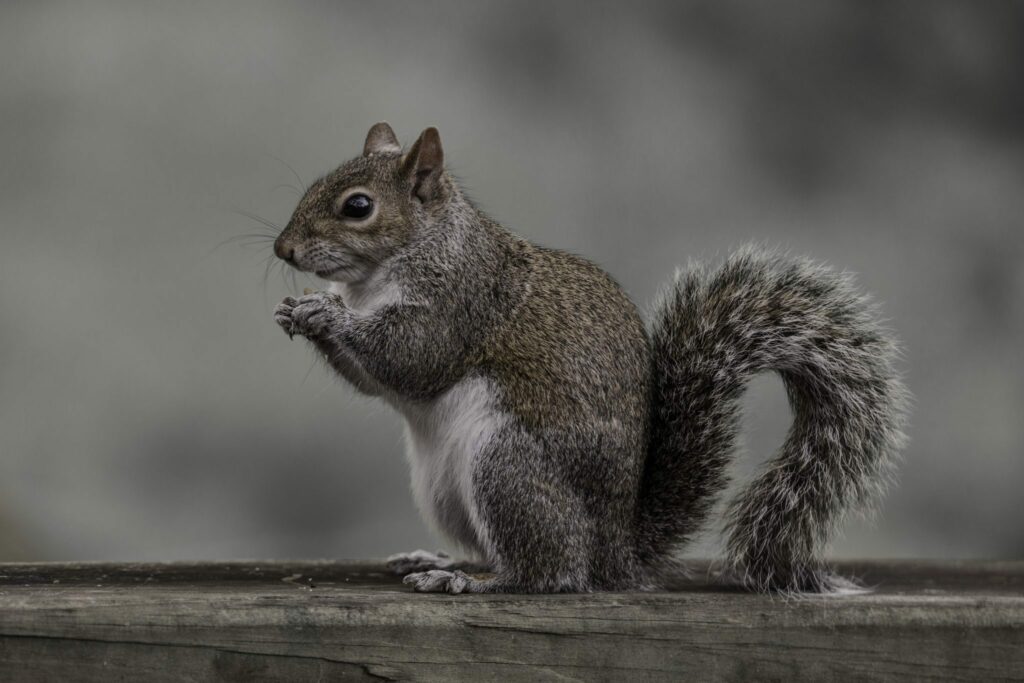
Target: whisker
309, 371
256, 243
289, 167
250, 240
259, 219
283, 271
287, 186
268, 263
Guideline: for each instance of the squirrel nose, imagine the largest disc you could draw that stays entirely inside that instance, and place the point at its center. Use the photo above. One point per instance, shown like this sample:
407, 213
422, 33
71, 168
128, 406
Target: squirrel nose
284, 252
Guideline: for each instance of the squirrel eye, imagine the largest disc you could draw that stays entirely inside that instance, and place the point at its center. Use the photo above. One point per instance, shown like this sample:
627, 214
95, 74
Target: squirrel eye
357, 206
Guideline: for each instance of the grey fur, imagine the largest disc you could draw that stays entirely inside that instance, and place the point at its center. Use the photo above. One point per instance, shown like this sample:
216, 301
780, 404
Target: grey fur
711, 334
595, 450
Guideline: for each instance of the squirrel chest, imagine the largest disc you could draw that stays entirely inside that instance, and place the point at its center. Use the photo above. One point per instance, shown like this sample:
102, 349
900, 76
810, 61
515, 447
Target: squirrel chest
445, 438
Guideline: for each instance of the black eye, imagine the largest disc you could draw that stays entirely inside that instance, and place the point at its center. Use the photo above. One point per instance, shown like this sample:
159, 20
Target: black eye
357, 206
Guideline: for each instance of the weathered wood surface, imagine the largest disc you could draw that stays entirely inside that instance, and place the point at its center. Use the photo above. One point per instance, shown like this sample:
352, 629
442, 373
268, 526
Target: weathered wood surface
349, 621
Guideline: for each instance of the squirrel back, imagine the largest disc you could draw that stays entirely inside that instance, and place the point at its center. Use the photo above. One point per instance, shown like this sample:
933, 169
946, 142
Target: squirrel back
549, 434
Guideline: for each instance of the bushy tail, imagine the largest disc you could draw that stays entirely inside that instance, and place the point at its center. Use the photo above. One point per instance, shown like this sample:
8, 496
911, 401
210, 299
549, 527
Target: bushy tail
711, 334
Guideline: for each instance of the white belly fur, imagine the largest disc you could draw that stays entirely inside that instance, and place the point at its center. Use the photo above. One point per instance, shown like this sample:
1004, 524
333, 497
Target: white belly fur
444, 438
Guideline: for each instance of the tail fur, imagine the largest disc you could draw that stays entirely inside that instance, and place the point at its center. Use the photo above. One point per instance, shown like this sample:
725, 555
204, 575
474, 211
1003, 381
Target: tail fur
711, 334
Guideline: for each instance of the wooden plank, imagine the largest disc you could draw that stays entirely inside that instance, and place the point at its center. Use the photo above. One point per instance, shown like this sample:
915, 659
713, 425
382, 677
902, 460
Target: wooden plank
351, 620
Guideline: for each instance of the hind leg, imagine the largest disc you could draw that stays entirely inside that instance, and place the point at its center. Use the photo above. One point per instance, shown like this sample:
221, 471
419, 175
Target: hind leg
536, 529
535, 554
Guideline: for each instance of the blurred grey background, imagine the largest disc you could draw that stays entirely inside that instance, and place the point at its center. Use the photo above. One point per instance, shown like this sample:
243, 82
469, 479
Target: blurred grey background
151, 409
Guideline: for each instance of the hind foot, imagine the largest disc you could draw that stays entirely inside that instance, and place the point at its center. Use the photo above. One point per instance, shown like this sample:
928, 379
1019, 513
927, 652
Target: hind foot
419, 561
440, 581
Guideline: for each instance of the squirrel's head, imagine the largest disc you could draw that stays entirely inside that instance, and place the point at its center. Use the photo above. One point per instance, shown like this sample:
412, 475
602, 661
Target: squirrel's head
354, 218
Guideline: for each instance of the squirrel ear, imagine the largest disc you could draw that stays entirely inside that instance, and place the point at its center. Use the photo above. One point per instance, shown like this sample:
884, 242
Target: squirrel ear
381, 139
423, 165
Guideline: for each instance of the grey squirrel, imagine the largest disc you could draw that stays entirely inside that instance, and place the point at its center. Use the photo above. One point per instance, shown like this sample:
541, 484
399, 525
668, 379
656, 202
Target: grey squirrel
550, 433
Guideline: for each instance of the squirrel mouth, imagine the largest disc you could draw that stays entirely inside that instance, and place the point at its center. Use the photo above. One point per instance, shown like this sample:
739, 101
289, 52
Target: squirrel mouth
332, 272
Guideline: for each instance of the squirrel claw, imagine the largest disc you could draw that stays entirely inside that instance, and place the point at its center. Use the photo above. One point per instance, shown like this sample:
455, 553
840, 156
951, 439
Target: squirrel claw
310, 316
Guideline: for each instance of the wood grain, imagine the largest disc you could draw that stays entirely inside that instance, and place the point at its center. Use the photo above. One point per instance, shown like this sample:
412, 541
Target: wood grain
253, 621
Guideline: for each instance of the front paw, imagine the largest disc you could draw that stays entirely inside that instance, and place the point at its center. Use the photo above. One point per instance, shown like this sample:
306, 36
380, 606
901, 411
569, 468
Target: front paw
311, 315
